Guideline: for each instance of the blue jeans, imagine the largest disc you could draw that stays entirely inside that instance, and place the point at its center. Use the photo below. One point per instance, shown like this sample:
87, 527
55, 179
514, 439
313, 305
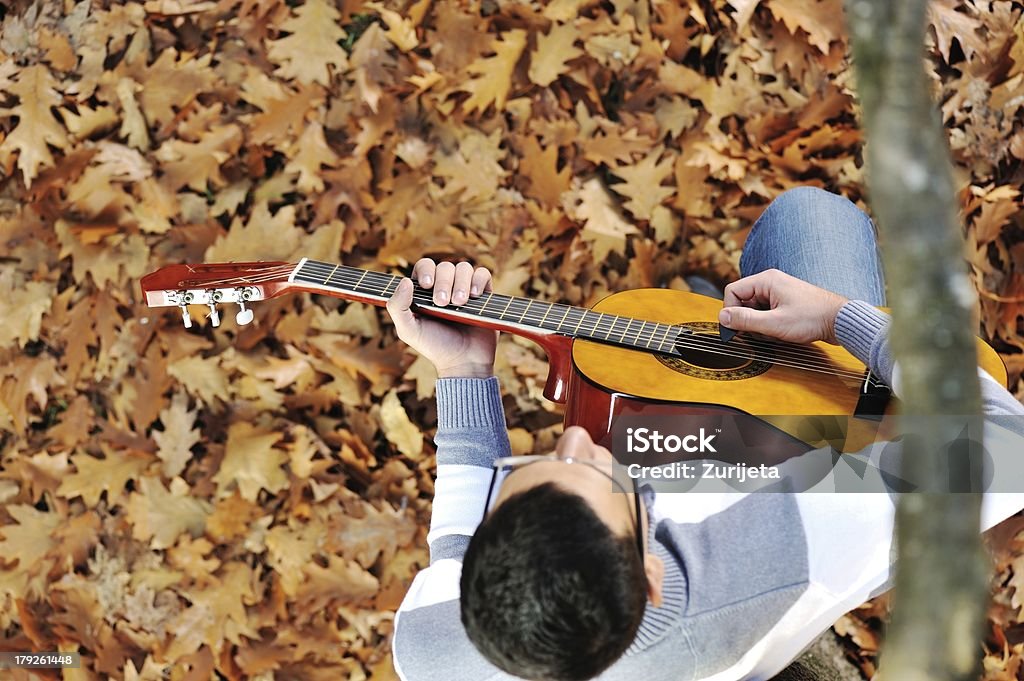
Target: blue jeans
820, 237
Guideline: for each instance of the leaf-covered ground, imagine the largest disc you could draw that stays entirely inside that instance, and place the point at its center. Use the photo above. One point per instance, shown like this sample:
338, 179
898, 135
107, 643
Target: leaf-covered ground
254, 500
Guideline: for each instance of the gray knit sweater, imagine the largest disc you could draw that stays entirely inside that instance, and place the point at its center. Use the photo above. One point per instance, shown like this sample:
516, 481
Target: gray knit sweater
751, 579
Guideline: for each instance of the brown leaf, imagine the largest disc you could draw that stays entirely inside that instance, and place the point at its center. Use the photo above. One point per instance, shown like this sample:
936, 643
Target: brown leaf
37, 126
312, 46
492, 76
549, 59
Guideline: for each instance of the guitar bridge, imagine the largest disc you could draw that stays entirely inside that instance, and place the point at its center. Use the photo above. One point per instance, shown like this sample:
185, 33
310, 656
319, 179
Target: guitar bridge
874, 398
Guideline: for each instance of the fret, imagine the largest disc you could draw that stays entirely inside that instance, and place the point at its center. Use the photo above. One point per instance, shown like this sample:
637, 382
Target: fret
582, 317
597, 324
546, 313
513, 309
528, 303
360, 280
641, 333
622, 338
612, 319
483, 308
568, 309
664, 337
501, 315
328, 281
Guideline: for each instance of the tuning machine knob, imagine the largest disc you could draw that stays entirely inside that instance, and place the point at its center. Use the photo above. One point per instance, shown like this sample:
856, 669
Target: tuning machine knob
184, 316
214, 316
243, 316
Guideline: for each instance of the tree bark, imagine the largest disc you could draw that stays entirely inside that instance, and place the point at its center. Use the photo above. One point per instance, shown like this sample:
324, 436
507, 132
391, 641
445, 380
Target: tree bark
941, 585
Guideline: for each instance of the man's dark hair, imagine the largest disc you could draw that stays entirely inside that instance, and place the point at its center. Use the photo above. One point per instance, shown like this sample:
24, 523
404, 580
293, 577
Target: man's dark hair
549, 592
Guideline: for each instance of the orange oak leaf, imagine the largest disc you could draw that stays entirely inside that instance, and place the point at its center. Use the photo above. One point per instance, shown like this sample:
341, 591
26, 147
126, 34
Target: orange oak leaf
22, 306
643, 183
541, 167
550, 58
398, 428
23, 547
492, 76
822, 20
604, 226
159, 515
251, 462
401, 31
37, 126
312, 46
175, 441
94, 476
951, 25
309, 153
170, 83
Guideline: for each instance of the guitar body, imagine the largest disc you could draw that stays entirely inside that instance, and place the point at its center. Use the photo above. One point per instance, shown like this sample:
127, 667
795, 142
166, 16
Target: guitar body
608, 382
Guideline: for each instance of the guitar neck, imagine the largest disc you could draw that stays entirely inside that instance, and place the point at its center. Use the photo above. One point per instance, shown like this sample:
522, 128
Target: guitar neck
513, 314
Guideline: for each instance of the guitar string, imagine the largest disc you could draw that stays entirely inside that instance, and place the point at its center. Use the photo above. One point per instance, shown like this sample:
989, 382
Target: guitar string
694, 342
477, 305
782, 348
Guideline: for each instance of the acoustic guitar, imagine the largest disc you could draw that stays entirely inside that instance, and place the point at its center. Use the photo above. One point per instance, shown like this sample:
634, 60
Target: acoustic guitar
646, 352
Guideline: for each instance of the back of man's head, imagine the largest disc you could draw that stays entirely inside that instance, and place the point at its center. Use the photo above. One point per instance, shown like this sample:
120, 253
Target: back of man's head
548, 591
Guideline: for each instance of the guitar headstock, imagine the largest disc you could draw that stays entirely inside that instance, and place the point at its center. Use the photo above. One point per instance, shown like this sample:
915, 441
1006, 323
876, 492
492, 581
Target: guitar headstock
213, 283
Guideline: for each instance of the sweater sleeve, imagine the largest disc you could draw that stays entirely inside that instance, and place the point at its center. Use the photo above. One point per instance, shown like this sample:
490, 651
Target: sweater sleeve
864, 331
429, 642
471, 434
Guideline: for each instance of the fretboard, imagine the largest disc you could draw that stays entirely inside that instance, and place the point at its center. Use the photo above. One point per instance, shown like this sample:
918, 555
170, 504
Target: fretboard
506, 311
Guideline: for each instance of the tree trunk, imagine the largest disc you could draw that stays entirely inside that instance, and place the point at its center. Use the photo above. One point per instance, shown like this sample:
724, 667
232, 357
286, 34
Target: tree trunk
941, 586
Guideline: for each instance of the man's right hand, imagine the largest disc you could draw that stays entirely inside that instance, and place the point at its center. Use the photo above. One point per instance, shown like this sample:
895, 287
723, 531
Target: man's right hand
456, 351
779, 305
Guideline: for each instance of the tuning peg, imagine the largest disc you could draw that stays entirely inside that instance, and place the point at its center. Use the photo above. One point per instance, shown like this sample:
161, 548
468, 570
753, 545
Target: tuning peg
185, 318
214, 315
243, 316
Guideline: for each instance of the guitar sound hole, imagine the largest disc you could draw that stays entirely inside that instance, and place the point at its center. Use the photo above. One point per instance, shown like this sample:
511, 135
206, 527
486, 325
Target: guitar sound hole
701, 355
709, 360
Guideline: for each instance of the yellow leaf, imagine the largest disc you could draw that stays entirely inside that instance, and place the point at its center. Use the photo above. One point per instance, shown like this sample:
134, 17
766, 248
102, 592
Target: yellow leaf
37, 126
950, 24
23, 546
291, 546
605, 228
197, 164
159, 516
312, 46
309, 153
94, 476
744, 10
642, 184
266, 236
22, 306
475, 168
401, 31
821, 19
553, 51
541, 167
176, 439
133, 125
112, 259
202, 377
398, 429
251, 462
493, 75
